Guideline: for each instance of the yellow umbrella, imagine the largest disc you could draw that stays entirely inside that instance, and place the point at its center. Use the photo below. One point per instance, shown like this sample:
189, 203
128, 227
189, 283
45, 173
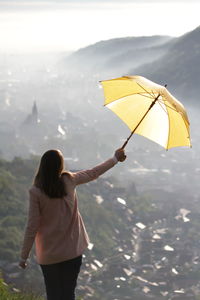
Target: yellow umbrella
148, 109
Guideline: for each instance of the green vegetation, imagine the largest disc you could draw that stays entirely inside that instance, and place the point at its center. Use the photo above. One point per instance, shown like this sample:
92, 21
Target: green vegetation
15, 178
129, 233
101, 221
8, 293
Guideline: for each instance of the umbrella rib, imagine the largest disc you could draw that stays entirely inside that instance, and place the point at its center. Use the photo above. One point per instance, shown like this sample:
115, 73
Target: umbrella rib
179, 112
167, 113
170, 126
162, 107
167, 146
143, 95
145, 90
151, 97
152, 104
185, 123
128, 96
153, 93
169, 106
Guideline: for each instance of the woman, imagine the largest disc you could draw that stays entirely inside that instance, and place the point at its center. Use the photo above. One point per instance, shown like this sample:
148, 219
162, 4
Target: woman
55, 224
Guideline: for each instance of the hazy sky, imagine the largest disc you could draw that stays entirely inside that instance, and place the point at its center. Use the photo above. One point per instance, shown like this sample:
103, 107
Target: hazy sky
66, 25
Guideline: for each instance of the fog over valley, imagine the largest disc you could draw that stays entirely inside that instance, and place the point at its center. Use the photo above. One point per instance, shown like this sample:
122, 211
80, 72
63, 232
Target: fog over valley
143, 215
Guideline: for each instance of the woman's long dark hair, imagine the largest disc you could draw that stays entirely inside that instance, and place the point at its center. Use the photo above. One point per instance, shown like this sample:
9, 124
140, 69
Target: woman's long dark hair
48, 177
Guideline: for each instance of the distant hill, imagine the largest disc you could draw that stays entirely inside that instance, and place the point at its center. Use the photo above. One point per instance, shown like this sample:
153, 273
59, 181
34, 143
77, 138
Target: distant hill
179, 67
166, 60
118, 55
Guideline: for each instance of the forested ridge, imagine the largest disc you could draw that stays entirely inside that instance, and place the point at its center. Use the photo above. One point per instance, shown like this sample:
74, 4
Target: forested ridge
142, 244
15, 178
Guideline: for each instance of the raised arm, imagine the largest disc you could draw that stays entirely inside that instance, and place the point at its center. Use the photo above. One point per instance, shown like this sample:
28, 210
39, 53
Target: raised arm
91, 174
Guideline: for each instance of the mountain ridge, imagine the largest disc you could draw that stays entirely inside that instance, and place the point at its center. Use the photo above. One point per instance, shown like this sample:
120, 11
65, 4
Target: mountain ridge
115, 54
179, 67
163, 59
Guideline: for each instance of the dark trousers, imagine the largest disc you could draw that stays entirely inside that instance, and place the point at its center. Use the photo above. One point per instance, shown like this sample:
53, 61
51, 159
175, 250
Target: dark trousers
61, 278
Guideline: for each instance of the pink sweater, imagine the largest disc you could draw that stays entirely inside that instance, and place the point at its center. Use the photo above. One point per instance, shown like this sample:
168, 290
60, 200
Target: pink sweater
55, 224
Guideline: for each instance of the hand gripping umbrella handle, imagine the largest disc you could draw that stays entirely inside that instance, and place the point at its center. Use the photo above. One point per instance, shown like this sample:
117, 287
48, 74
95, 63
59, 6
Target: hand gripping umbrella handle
152, 104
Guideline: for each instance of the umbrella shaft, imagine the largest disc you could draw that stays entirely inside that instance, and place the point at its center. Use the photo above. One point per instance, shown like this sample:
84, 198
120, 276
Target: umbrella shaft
152, 104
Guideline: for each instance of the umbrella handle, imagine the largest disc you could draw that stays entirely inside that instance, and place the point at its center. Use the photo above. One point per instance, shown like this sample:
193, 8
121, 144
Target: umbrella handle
126, 142
152, 104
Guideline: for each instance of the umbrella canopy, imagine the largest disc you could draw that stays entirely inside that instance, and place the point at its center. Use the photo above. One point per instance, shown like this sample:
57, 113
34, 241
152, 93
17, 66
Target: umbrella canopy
148, 109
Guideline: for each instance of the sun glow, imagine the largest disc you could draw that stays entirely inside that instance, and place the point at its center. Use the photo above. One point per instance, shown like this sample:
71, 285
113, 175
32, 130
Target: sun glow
66, 27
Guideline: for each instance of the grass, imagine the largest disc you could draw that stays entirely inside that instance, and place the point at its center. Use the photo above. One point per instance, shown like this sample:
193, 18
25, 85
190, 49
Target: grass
9, 293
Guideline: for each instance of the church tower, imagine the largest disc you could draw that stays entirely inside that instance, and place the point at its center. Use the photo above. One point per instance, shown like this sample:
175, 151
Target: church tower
34, 112
32, 119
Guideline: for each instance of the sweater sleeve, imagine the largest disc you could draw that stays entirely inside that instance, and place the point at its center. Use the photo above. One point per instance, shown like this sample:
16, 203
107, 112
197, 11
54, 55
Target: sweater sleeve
89, 175
32, 225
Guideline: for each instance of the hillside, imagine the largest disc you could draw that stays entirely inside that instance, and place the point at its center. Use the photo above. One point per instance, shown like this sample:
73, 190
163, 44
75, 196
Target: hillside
166, 60
144, 244
179, 67
118, 55
9, 293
